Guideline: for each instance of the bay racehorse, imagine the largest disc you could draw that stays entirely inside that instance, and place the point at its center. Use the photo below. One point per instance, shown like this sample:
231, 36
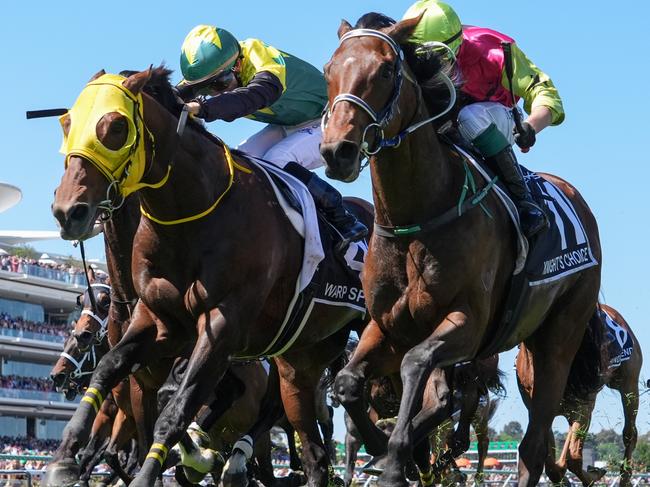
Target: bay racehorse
215, 262
87, 343
435, 282
619, 370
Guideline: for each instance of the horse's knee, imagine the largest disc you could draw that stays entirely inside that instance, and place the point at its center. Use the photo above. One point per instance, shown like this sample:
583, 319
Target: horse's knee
348, 387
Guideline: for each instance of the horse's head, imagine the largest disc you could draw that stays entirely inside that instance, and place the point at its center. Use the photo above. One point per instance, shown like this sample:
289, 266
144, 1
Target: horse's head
366, 101
90, 328
85, 345
104, 143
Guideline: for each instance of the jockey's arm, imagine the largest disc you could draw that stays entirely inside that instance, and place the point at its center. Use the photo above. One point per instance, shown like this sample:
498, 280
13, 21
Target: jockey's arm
262, 91
541, 99
540, 118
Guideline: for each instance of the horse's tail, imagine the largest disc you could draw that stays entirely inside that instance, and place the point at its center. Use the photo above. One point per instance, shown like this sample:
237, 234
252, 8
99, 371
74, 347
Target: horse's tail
590, 362
492, 377
492, 408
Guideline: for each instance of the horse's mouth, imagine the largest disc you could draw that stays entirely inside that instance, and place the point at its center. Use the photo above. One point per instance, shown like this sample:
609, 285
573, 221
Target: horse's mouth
77, 229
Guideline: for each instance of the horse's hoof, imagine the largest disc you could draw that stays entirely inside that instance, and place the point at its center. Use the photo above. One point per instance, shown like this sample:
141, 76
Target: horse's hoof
61, 474
397, 480
596, 473
193, 476
412, 472
239, 479
375, 466
296, 479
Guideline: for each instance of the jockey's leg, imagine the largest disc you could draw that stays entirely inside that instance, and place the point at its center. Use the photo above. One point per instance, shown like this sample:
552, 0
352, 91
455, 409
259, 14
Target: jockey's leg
330, 202
533, 218
298, 153
489, 127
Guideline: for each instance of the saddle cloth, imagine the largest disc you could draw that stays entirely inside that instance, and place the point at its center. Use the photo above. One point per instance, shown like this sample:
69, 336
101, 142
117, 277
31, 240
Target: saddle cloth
552, 255
325, 278
619, 340
562, 249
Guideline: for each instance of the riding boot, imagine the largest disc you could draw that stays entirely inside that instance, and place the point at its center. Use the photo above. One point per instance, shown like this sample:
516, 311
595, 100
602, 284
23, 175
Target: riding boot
330, 202
532, 216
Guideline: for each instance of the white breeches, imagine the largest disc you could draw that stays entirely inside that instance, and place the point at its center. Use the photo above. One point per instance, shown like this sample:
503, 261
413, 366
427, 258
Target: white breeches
280, 144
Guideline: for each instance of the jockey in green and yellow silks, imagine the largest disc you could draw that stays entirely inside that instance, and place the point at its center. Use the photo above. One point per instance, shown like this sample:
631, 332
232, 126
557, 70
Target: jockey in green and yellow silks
225, 79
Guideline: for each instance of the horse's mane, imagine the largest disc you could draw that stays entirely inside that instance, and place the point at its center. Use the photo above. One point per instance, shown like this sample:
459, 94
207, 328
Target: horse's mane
590, 362
160, 88
426, 65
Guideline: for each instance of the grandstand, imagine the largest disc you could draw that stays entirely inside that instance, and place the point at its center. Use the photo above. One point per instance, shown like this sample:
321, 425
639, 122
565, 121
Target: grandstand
34, 312
37, 304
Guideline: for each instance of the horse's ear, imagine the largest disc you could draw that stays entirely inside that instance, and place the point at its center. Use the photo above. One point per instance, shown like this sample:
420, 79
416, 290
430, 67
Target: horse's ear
403, 29
344, 28
99, 73
136, 82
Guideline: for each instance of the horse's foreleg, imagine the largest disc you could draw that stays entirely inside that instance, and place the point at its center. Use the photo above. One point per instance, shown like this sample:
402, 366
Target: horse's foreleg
99, 439
327, 430
123, 431
469, 405
206, 366
552, 349
451, 342
352, 445
480, 424
580, 420
295, 463
271, 410
373, 357
556, 469
135, 350
630, 399
298, 389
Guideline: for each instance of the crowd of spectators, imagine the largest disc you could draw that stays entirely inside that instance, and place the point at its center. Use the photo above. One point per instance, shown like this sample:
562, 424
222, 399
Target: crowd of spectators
18, 324
29, 383
44, 267
25, 446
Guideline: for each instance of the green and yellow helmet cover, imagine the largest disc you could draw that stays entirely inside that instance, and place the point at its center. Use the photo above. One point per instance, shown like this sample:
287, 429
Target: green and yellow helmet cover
440, 23
101, 96
207, 51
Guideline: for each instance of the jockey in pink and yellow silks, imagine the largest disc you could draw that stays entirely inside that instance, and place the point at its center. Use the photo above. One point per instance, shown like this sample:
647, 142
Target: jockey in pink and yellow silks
225, 79
486, 118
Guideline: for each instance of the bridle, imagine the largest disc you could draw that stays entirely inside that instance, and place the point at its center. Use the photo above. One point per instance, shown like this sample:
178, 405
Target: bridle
381, 119
90, 353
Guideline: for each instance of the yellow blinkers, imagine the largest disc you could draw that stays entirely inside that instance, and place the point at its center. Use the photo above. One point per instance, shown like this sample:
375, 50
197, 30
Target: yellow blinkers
101, 96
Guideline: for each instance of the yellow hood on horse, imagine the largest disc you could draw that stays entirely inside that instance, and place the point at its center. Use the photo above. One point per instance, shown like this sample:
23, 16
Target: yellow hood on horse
101, 96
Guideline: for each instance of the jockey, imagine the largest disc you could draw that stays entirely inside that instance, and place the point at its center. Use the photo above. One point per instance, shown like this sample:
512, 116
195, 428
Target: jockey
486, 119
225, 79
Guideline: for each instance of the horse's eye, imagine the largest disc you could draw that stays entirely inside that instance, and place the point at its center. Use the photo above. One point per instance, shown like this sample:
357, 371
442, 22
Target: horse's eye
387, 71
118, 126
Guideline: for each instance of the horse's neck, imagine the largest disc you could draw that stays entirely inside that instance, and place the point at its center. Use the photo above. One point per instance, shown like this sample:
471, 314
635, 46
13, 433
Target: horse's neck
413, 182
199, 172
118, 241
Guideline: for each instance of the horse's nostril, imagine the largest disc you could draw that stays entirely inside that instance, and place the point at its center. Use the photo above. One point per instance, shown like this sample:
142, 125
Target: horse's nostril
79, 212
57, 379
347, 151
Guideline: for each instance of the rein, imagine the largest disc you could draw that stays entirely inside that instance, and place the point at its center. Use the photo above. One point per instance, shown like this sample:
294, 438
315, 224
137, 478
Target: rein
381, 119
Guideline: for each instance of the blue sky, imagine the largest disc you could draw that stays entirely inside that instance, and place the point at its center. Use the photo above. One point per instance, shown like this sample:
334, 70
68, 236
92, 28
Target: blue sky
593, 51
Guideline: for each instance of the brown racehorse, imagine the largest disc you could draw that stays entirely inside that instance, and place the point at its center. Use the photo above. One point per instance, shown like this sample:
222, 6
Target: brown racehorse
90, 333
87, 344
435, 298
465, 401
578, 402
215, 265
